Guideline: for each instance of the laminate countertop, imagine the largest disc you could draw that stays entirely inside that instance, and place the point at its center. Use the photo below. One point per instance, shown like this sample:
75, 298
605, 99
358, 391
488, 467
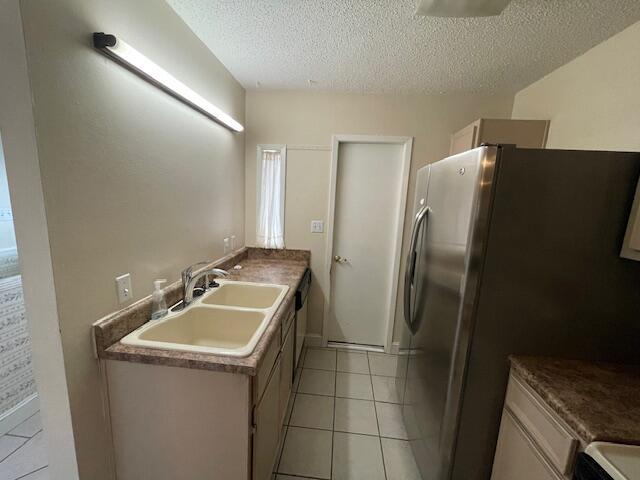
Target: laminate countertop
281, 267
599, 401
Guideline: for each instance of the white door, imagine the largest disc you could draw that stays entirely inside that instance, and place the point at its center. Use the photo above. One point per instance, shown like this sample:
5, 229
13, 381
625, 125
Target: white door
369, 204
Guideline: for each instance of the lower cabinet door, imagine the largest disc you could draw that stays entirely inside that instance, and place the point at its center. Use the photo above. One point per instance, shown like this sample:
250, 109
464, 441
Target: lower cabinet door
286, 371
516, 457
267, 427
301, 331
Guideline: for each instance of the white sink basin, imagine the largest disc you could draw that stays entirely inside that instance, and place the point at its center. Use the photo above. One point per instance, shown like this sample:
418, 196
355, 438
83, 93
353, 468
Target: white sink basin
227, 321
243, 294
621, 462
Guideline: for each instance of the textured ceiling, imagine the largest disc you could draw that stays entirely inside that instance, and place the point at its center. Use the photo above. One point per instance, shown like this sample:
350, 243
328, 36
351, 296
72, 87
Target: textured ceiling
380, 46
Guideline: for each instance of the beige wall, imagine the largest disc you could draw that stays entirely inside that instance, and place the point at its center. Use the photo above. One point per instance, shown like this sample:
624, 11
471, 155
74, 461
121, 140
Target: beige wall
133, 180
593, 102
303, 119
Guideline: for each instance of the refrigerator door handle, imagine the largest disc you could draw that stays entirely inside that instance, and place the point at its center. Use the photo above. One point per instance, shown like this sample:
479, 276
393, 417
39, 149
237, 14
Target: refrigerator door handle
411, 266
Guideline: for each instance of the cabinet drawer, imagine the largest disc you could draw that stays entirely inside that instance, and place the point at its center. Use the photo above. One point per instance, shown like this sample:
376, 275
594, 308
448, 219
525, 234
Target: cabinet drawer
552, 438
264, 370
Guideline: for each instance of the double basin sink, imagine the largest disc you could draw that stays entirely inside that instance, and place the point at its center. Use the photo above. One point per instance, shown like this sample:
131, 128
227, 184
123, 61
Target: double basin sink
227, 320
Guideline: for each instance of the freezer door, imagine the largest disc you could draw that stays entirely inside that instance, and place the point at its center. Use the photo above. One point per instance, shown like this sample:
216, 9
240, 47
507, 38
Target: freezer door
443, 260
412, 261
422, 184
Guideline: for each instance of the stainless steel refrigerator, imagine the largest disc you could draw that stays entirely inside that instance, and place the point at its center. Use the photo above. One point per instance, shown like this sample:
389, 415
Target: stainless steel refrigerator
513, 251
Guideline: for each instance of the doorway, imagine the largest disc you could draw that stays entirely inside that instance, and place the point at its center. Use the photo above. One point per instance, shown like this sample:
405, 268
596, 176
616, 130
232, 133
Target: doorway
17, 128
369, 180
22, 450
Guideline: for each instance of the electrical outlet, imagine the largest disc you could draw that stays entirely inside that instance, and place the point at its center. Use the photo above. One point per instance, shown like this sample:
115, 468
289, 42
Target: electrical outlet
233, 242
317, 226
123, 288
227, 245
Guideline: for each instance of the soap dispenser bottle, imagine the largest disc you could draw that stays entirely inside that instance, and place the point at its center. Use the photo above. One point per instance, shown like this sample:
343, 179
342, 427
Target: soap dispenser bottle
158, 302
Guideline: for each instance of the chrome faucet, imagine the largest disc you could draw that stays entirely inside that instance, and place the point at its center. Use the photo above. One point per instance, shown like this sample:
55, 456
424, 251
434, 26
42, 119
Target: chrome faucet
189, 280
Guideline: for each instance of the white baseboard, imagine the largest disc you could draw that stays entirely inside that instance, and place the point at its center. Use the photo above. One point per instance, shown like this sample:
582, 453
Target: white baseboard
18, 414
395, 348
313, 340
355, 347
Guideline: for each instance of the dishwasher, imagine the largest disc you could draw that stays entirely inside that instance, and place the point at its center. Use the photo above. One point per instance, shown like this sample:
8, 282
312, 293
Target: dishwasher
588, 469
301, 315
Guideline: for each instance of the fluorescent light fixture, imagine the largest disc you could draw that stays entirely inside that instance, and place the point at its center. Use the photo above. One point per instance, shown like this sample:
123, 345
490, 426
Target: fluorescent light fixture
128, 56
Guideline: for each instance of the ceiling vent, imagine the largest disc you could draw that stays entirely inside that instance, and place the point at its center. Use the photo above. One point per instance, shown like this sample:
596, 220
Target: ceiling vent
461, 8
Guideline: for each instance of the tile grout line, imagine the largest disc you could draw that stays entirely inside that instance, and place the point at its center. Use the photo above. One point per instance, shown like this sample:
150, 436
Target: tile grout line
350, 398
13, 451
375, 409
334, 398
19, 425
302, 476
345, 431
296, 392
34, 471
346, 371
19, 436
335, 370
21, 446
333, 424
286, 434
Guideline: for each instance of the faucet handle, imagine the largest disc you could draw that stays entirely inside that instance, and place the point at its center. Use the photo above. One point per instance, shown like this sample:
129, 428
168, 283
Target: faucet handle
188, 272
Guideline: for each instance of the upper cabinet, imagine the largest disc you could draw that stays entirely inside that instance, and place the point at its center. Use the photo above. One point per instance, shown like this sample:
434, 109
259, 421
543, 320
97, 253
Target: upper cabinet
522, 133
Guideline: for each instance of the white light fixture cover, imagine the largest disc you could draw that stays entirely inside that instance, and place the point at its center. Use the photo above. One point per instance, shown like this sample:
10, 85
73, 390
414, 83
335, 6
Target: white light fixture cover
130, 57
461, 8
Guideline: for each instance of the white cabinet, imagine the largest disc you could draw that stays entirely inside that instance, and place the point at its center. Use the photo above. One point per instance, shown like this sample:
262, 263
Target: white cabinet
516, 455
170, 422
533, 444
202, 424
267, 425
301, 331
273, 387
286, 372
522, 133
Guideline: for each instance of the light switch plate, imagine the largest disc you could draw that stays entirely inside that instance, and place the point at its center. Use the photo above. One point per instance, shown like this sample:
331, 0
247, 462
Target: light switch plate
317, 226
123, 288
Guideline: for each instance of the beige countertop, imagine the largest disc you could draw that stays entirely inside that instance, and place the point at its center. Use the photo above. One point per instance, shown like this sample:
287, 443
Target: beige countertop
278, 267
599, 401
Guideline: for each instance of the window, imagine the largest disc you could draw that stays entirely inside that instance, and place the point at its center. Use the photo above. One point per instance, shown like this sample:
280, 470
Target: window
270, 173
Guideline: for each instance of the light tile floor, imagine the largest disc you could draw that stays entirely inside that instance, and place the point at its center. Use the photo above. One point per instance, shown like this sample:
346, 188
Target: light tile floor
344, 422
22, 452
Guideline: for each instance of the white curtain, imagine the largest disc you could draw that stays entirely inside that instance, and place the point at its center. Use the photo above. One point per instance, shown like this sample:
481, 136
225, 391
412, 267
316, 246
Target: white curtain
270, 228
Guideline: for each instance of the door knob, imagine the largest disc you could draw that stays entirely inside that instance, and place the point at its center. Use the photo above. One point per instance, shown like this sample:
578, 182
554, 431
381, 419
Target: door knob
339, 259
